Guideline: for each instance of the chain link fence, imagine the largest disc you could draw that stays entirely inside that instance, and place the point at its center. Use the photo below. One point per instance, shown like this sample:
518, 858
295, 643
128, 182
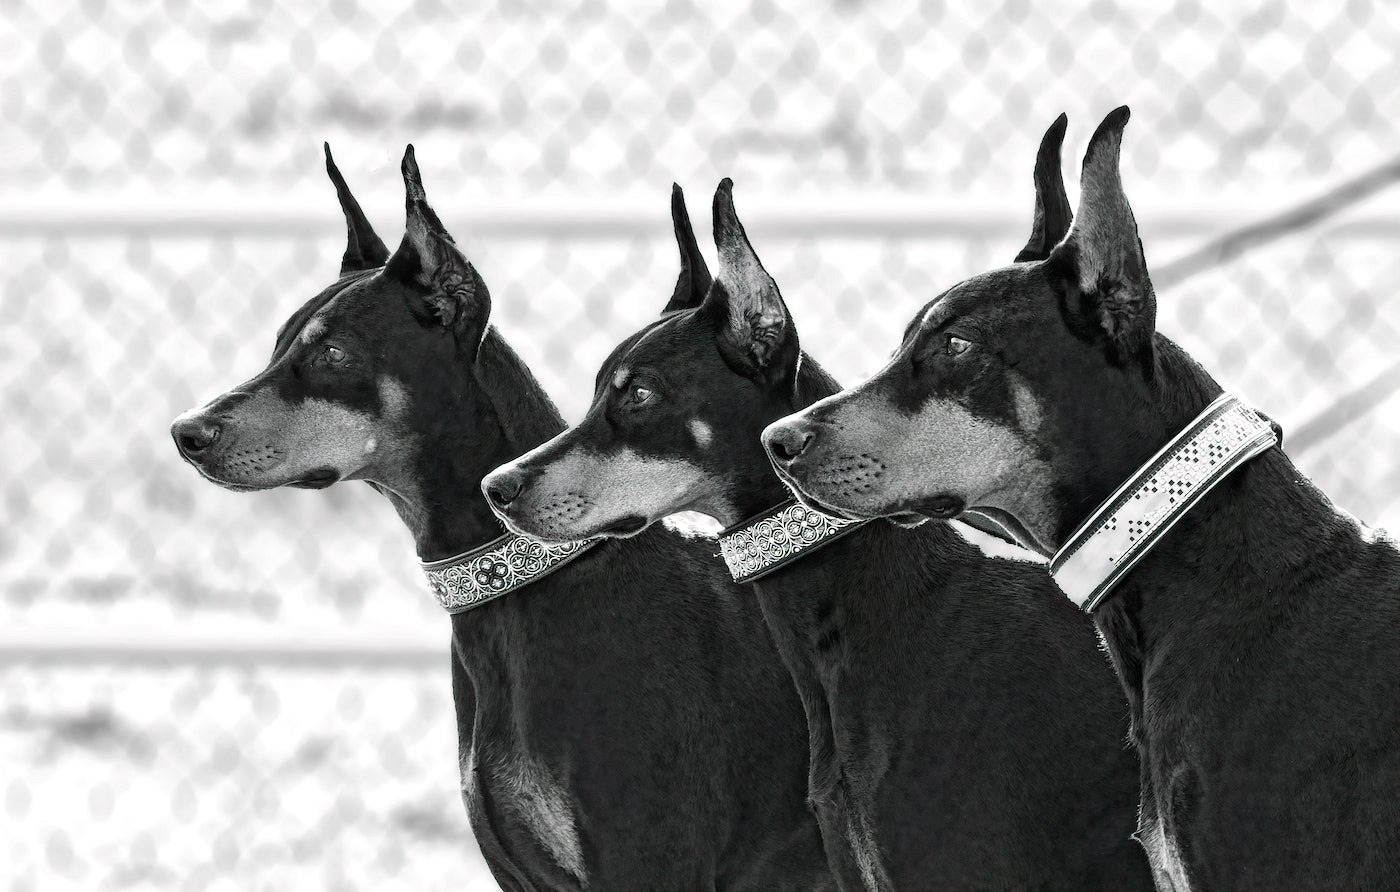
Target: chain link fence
172, 716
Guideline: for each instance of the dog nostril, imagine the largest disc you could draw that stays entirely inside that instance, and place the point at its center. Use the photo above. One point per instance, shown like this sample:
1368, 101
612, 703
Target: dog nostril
787, 444
503, 490
194, 435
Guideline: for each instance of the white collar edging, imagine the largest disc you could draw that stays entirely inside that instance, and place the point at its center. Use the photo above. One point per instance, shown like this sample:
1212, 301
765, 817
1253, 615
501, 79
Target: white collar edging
1129, 522
756, 547
497, 568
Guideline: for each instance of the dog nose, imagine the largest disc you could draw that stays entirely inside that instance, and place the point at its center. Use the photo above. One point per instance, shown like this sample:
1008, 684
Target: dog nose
503, 486
787, 440
194, 433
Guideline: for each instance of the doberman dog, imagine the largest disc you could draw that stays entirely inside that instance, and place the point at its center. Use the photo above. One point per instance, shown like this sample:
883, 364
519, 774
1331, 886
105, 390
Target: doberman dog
944, 753
625, 722
1258, 639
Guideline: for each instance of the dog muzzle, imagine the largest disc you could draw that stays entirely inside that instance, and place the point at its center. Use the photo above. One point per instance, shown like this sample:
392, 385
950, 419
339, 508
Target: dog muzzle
497, 568
1140, 512
756, 547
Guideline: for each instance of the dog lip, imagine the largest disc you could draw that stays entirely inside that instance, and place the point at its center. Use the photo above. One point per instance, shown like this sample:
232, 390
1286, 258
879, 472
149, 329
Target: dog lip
315, 480
627, 526
907, 519
942, 507
806, 498
818, 505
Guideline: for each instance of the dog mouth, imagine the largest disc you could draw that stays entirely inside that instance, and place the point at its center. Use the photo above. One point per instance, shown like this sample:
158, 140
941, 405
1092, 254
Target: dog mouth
806, 498
942, 507
804, 495
630, 525
907, 519
318, 479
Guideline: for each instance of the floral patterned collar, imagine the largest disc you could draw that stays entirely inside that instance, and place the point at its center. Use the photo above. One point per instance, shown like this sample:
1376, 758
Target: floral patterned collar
756, 547
499, 567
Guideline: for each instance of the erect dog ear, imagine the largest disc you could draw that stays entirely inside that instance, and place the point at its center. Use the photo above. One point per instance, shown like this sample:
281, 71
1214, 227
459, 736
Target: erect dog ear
1101, 261
1052, 213
363, 249
694, 280
755, 331
452, 294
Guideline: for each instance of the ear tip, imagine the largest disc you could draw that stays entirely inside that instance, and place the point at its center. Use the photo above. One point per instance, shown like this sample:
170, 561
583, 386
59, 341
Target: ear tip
676, 189
1114, 121
724, 199
1054, 137
1109, 134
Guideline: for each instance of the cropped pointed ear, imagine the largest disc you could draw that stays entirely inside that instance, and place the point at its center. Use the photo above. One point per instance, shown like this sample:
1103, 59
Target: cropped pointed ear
694, 280
1101, 263
755, 332
1052, 212
449, 292
363, 249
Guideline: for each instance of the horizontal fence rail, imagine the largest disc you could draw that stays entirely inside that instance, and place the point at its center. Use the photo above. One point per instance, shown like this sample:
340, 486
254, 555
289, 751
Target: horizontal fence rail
868, 216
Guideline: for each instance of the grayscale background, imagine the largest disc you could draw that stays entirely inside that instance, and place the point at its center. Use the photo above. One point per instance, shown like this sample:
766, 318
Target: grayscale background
204, 690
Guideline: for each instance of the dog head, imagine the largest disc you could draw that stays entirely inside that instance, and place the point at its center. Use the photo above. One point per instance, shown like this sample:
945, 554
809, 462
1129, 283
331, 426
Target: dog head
677, 407
1009, 388
344, 394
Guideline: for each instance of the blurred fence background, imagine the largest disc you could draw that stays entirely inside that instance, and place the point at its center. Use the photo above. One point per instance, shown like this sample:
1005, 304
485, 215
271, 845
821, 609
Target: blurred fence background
205, 690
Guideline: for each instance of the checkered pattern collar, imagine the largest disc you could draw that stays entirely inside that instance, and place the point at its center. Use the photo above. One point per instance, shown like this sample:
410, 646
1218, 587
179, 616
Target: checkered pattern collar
1128, 523
497, 568
755, 547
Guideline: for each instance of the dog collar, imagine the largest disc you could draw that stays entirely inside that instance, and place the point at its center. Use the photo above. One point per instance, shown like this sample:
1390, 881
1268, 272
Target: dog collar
1129, 522
755, 547
497, 568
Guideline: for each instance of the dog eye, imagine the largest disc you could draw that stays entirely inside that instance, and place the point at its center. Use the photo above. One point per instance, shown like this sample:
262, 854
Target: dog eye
641, 395
333, 354
956, 346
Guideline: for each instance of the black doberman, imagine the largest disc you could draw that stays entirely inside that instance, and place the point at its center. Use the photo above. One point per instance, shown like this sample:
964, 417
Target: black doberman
945, 754
1258, 640
625, 722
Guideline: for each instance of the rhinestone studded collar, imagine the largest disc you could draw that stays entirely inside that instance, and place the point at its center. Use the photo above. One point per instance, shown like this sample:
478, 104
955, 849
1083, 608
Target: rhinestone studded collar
497, 568
1129, 522
756, 547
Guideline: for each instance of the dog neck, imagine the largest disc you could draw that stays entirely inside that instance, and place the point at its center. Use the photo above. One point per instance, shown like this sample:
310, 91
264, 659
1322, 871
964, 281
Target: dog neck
754, 487
504, 414
1263, 518
1127, 525
765, 527
1130, 424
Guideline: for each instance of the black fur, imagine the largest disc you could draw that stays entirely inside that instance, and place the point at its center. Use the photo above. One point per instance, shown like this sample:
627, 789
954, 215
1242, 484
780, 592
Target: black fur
638, 676
1259, 641
975, 759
